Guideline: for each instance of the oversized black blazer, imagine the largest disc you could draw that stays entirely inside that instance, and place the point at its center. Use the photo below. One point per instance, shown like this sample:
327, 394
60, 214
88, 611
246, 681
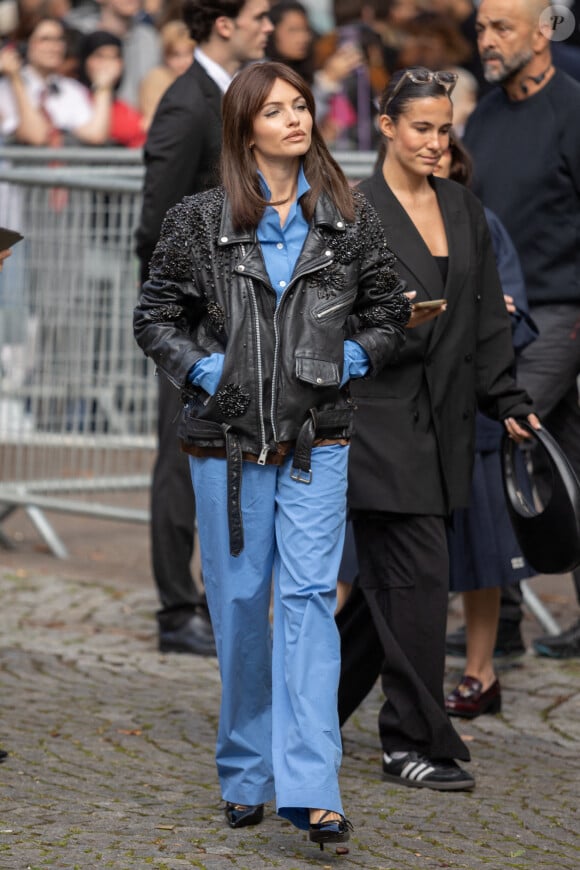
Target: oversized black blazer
412, 451
181, 153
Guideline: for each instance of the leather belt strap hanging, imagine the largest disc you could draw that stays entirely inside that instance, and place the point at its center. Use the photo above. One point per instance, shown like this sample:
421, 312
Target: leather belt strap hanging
315, 422
234, 478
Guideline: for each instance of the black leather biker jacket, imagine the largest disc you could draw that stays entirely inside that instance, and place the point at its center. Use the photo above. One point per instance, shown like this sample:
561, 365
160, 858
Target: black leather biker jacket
209, 292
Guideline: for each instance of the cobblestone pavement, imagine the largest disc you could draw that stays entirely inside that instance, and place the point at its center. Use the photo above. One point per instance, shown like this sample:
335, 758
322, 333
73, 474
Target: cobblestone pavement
111, 755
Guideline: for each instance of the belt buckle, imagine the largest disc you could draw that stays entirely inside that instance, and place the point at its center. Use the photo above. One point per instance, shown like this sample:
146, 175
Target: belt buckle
301, 476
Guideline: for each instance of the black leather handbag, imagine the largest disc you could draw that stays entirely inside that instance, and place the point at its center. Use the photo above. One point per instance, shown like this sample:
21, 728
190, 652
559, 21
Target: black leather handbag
549, 538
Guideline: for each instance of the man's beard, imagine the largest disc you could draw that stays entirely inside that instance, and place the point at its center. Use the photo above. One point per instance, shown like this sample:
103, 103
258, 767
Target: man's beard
507, 69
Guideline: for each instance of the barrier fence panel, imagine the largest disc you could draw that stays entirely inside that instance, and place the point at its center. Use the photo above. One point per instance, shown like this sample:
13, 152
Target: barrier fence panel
77, 396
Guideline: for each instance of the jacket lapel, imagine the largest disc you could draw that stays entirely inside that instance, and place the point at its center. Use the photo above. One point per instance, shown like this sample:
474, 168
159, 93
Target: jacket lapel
405, 241
315, 253
456, 220
211, 92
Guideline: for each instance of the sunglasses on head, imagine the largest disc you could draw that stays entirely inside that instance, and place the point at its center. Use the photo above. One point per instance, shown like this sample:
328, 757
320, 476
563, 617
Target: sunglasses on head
447, 80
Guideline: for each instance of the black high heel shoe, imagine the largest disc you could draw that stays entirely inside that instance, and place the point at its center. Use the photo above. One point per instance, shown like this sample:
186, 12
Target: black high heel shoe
332, 831
241, 816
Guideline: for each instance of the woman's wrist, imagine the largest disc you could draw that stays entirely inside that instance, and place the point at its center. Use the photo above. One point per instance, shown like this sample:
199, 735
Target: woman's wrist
96, 87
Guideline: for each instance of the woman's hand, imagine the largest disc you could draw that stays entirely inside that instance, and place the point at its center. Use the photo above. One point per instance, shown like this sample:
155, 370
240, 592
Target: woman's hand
105, 72
10, 61
340, 65
3, 256
516, 432
419, 316
509, 303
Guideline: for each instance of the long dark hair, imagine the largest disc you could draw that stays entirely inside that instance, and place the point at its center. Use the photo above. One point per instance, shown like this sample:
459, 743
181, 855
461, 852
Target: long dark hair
461, 169
243, 100
277, 14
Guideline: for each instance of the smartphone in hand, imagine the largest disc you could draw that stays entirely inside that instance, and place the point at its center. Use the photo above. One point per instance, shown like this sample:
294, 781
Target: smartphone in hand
429, 303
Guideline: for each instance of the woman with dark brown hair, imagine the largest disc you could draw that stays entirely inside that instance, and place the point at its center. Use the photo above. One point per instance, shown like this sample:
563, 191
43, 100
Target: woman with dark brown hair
292, 37
412, 454
265, 297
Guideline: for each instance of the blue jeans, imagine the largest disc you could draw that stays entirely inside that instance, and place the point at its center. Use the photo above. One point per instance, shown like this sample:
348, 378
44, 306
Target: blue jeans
278, 732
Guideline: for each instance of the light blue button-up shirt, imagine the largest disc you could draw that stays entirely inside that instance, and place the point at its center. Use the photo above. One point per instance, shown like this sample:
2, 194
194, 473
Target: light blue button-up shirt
281, 247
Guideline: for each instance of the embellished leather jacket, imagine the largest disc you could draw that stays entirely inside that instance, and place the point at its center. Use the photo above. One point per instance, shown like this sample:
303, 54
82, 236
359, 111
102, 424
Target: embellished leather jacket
209, 292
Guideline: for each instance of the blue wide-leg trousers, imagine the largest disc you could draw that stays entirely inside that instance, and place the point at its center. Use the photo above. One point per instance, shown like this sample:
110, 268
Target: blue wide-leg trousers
278, 734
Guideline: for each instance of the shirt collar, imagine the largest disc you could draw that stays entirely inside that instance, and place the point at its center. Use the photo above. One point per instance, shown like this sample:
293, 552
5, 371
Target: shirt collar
38, 84
302, 187
216, 72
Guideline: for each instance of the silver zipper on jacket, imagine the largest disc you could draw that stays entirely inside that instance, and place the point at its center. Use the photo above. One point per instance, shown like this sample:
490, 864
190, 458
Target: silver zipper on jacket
277, 337
254, 303
275, 371
331, 309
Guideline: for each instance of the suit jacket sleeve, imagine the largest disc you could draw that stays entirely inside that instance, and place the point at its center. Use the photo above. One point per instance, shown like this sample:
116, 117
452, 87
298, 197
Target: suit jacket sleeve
498, 395
173, 300
381, 309
524, 330
175, 149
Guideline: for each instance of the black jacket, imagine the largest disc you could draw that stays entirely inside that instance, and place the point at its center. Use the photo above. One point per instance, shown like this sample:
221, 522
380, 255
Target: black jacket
181, 153
415, 423
209, 291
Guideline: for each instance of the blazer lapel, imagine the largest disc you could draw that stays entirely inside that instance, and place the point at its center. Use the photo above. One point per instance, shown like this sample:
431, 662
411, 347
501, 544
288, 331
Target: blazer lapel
405, 240
456, 220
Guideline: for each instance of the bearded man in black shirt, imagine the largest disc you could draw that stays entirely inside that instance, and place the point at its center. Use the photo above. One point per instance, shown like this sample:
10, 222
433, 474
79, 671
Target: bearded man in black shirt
524, 137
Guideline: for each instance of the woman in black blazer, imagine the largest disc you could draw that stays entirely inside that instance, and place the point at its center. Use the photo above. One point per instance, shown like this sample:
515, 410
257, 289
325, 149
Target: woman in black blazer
412, 454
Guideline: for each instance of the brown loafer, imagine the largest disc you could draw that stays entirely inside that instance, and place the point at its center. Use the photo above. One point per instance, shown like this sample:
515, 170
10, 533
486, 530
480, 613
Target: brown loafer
468, 701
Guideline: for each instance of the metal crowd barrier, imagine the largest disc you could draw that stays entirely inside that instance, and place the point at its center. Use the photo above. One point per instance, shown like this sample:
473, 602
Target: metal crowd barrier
77, 396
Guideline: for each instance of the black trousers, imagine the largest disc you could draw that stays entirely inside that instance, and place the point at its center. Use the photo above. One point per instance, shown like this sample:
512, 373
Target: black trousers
172, 511
393, 624
172, 517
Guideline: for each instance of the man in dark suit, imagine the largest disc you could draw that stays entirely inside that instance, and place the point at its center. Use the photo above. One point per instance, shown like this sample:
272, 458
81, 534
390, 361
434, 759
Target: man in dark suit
181, 158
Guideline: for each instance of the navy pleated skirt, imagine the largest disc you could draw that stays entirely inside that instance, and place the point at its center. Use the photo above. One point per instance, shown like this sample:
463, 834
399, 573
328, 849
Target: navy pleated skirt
483, 550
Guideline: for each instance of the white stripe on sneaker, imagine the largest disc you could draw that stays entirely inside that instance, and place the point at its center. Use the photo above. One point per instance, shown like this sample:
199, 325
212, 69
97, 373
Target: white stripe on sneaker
426, 773
416, 770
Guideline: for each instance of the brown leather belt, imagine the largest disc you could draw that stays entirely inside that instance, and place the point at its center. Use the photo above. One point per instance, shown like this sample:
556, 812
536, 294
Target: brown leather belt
301, 462
283, 450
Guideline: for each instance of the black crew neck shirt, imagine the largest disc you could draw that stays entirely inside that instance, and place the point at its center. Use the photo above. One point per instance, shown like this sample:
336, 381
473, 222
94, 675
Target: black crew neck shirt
527, 170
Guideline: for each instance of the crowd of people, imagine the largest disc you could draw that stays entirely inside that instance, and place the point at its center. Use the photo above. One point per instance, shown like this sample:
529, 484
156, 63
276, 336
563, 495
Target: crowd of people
144, 45
328, 354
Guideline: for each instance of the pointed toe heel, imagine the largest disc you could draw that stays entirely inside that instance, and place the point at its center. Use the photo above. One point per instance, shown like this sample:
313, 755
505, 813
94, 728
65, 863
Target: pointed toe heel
331, 831
242, 816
